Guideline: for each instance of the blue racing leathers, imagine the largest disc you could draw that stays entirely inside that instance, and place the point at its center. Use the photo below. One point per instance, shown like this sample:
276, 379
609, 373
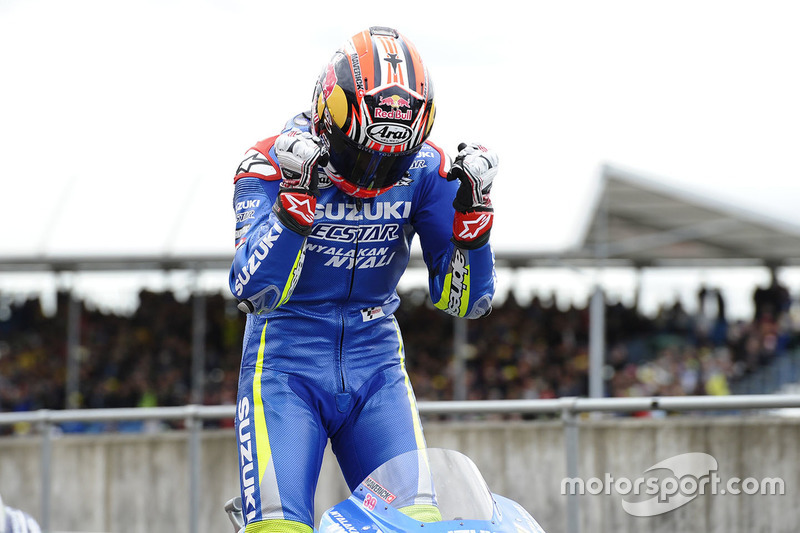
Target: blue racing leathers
323, 356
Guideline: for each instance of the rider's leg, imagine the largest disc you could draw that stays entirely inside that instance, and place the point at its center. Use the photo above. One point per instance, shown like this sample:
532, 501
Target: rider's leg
281, 444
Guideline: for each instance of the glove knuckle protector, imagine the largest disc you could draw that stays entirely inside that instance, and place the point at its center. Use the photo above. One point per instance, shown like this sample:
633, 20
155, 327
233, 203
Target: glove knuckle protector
475, 167
298, 154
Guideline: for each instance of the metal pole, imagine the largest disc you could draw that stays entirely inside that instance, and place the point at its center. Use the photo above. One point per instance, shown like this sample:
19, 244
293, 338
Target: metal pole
198, 347
73, 343
571, 454
45, 474
597, 343
597, 306
459, 359
552, 405
194, 426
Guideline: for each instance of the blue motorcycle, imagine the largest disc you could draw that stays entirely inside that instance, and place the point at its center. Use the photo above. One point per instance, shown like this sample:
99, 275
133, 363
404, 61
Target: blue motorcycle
452, 493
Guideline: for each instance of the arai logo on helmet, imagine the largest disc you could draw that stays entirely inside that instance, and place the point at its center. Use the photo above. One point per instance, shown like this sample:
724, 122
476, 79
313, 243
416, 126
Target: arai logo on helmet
390, 134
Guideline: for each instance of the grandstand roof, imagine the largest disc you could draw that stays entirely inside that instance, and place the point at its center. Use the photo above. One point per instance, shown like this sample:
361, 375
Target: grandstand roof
642, 222
634, 221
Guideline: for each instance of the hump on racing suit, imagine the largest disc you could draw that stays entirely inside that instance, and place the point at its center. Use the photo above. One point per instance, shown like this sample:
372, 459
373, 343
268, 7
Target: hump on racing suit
358, 248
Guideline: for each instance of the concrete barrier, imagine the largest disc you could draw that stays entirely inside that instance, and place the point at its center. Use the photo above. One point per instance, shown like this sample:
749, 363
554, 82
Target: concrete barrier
138, 483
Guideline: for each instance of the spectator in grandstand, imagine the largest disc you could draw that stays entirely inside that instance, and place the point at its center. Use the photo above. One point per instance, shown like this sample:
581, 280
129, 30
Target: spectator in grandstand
323, 356
15, 521
711, 322
772, 301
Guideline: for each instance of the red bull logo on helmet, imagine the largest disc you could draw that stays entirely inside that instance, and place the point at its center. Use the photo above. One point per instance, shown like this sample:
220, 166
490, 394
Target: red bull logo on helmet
396, 103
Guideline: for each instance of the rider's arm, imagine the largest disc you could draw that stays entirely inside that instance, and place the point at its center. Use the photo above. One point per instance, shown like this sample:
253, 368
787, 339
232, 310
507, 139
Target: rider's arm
461, 276
269, 255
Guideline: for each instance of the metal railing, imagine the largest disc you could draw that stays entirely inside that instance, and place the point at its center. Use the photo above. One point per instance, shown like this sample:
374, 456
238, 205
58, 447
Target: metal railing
567, 407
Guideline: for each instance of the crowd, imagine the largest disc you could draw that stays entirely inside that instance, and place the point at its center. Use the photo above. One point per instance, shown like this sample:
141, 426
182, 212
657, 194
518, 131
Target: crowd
125, 361
538, 350
530, 350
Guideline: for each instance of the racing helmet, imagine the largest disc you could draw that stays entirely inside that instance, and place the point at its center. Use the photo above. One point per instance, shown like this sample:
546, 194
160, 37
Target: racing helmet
373, 108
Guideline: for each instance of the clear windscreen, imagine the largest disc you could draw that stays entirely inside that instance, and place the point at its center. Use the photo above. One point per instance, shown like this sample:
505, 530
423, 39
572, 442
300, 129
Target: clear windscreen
444, 478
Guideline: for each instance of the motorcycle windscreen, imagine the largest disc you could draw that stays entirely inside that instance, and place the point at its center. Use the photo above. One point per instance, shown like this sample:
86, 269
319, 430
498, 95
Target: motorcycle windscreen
443, 478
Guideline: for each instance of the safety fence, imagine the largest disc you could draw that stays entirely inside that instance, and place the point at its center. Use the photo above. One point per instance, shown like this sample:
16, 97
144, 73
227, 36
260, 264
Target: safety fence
570, 410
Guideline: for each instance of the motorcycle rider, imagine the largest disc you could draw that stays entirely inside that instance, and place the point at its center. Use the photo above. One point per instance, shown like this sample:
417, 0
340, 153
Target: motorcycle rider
325, 216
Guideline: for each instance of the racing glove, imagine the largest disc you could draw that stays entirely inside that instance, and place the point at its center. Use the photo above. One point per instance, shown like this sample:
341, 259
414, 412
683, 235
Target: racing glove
475, 167
298, 154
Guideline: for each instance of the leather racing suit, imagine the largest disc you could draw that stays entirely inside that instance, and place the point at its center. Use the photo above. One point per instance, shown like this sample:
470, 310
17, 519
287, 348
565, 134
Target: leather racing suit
323, 356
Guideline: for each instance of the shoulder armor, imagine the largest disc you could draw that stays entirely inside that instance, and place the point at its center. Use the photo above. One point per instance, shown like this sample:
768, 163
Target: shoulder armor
444, 159
258, 163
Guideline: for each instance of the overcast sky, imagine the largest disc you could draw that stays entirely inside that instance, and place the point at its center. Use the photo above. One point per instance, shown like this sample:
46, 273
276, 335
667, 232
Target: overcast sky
121, 122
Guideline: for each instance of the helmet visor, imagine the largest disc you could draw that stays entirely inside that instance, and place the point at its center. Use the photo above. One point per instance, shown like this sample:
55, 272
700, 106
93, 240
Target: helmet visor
365, 168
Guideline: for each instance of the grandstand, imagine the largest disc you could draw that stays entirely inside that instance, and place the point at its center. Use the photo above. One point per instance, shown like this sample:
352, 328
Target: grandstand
636, 222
